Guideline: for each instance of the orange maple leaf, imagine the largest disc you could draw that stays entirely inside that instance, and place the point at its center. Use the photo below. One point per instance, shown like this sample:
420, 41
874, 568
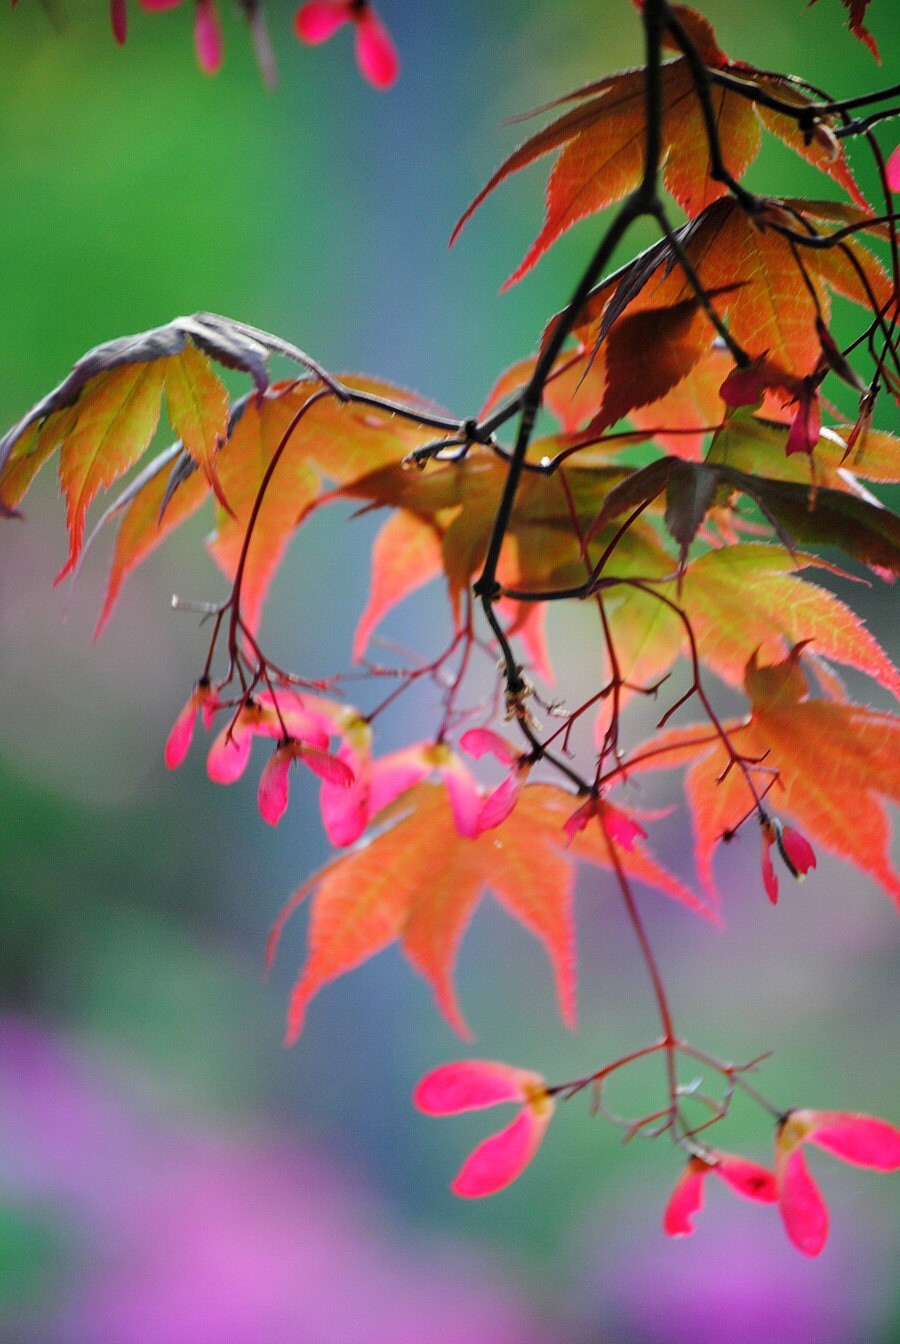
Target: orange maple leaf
857, 12
835, 763
148, 515
740, 598
419, 881
642, 337
601, 139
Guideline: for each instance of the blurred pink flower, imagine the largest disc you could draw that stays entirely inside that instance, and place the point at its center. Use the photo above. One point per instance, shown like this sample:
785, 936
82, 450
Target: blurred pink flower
385, 779
183, 1232
806, 425
266, 715
118, 18
203, 701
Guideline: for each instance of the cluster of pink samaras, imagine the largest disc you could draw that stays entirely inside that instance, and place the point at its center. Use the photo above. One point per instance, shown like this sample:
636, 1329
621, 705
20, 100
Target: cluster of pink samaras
356, 785
859, 1139
314, 22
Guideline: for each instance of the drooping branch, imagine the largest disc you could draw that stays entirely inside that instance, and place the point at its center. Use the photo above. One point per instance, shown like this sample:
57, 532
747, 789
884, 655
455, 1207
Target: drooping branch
643, 201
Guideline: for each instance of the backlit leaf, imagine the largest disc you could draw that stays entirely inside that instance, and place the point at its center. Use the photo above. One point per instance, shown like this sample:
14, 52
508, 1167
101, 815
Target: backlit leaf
857, 12
835, 763
29, 453
862, 527
233, 344
294, 485
88, 394
756, 446
738, 599
459, 501
116, 417
145, 524
406, 555
346, 440
601, 139
602, 144
773, 293
680, 420
822, 151
747, 597
648, 352
690, 492
419, 881
104, 414
198, 406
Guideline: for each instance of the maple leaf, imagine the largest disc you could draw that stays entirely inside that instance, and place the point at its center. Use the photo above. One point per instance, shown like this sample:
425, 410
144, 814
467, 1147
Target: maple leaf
198, 408
419, 881
645, 333
113, 424
406, 555
679, 419
861, 526
349, 440
740, 598
601, 139
104, 414
340, 440
571, 392
756, 446
748, 597
648, 351
336, 439
857, 12
602, 142
835, 762
163, 495
820, 148
293, 486
642, 334
233, 344
149, 512
455, 503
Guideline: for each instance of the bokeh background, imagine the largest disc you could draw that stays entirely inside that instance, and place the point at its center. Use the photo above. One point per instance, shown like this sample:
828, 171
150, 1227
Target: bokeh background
167, 1171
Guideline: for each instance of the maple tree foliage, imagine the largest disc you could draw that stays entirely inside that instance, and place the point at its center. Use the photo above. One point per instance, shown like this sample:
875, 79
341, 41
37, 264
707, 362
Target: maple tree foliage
691, 463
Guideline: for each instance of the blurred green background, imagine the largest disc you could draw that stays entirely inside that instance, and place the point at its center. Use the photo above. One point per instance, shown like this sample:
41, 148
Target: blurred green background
168, 1172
